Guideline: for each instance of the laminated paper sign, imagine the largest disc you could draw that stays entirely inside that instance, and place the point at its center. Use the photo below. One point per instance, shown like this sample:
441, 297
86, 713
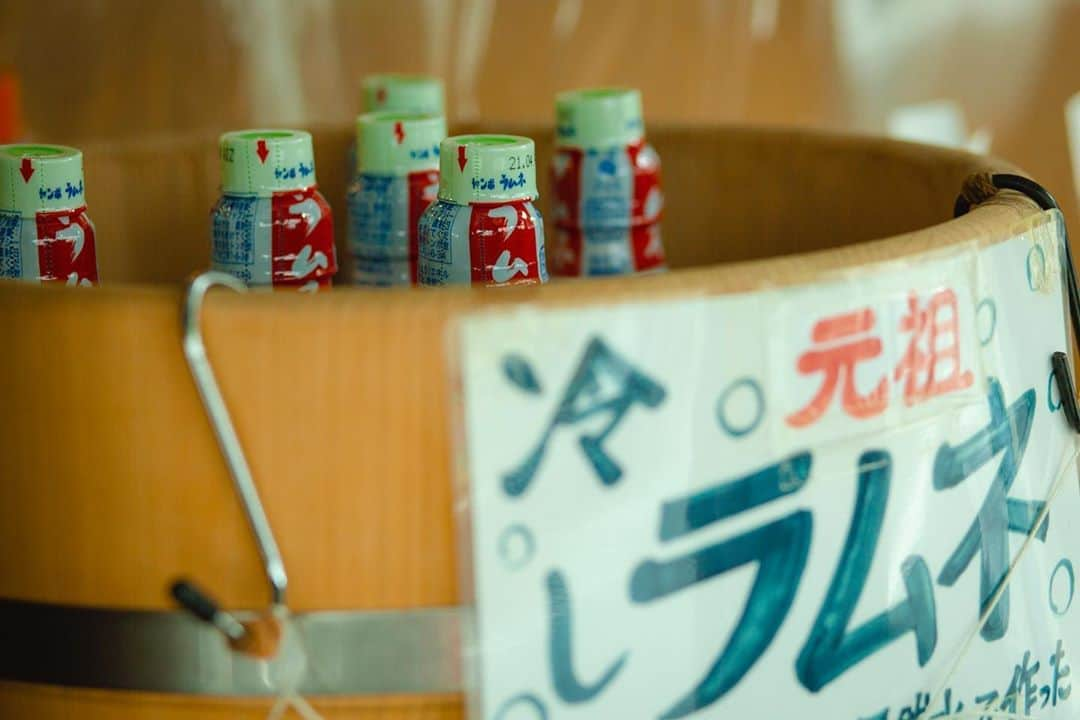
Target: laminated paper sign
798, 502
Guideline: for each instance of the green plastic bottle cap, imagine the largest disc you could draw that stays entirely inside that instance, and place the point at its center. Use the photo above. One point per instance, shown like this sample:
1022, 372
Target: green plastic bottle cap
262, 162
40, 177
487, 168
397, 143
599, 117
404, 93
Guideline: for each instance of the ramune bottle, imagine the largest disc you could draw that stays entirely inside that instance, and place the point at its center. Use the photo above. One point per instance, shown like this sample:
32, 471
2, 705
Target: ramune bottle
45, 234
272, 226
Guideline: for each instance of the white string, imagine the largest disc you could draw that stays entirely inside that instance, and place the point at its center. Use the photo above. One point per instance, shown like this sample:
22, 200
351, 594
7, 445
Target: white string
297, 702
292, 642
280, 707
996, 597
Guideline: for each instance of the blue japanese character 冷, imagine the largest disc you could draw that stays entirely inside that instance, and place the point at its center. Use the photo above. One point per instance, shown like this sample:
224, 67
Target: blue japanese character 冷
585, 396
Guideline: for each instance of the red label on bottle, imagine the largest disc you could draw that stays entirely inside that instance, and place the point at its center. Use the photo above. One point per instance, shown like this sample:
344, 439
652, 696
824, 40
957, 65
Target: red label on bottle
564, 256
647, 246
568, 180
423, 190
66, 249
302, 238
503, 246
606, 211
648, 200
566, 187
609, 250
312, 284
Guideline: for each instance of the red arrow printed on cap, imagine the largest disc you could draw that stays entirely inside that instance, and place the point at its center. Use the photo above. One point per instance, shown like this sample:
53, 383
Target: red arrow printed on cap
26, 169
461, 159
399, 132
262, 151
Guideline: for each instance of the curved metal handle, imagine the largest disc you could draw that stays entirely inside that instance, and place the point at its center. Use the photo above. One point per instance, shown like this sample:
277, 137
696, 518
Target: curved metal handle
221, 422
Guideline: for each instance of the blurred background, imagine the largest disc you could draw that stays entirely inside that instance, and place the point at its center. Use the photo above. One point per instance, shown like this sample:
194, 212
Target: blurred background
990, 75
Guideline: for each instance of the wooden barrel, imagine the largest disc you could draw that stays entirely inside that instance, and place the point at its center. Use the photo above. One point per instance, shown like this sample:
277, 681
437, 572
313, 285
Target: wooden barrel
112, 484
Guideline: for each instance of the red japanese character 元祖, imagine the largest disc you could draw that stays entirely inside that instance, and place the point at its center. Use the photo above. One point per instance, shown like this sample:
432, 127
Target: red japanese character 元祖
927, 369
837, 362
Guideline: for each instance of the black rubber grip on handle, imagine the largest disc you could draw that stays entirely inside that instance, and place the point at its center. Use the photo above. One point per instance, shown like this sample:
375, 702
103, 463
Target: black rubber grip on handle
194, 600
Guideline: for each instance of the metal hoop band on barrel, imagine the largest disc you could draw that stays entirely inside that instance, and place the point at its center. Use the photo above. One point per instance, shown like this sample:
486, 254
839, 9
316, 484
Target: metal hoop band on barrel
349, 652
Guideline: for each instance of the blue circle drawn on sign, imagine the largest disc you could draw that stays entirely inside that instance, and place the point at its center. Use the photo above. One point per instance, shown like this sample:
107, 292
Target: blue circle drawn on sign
759, 399
524, 699
1066, 565
1036, 278
991, 308
1051, 390
526, 544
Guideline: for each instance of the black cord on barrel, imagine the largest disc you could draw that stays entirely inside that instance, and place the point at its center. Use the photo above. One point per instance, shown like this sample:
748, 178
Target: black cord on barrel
198, 603
976, 191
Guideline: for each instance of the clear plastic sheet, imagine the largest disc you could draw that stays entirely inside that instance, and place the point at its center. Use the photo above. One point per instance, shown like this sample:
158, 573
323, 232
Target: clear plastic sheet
846, 499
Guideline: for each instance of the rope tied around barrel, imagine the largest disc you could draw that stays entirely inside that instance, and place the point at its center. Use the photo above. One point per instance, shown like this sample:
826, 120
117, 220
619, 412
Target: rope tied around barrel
977, 189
